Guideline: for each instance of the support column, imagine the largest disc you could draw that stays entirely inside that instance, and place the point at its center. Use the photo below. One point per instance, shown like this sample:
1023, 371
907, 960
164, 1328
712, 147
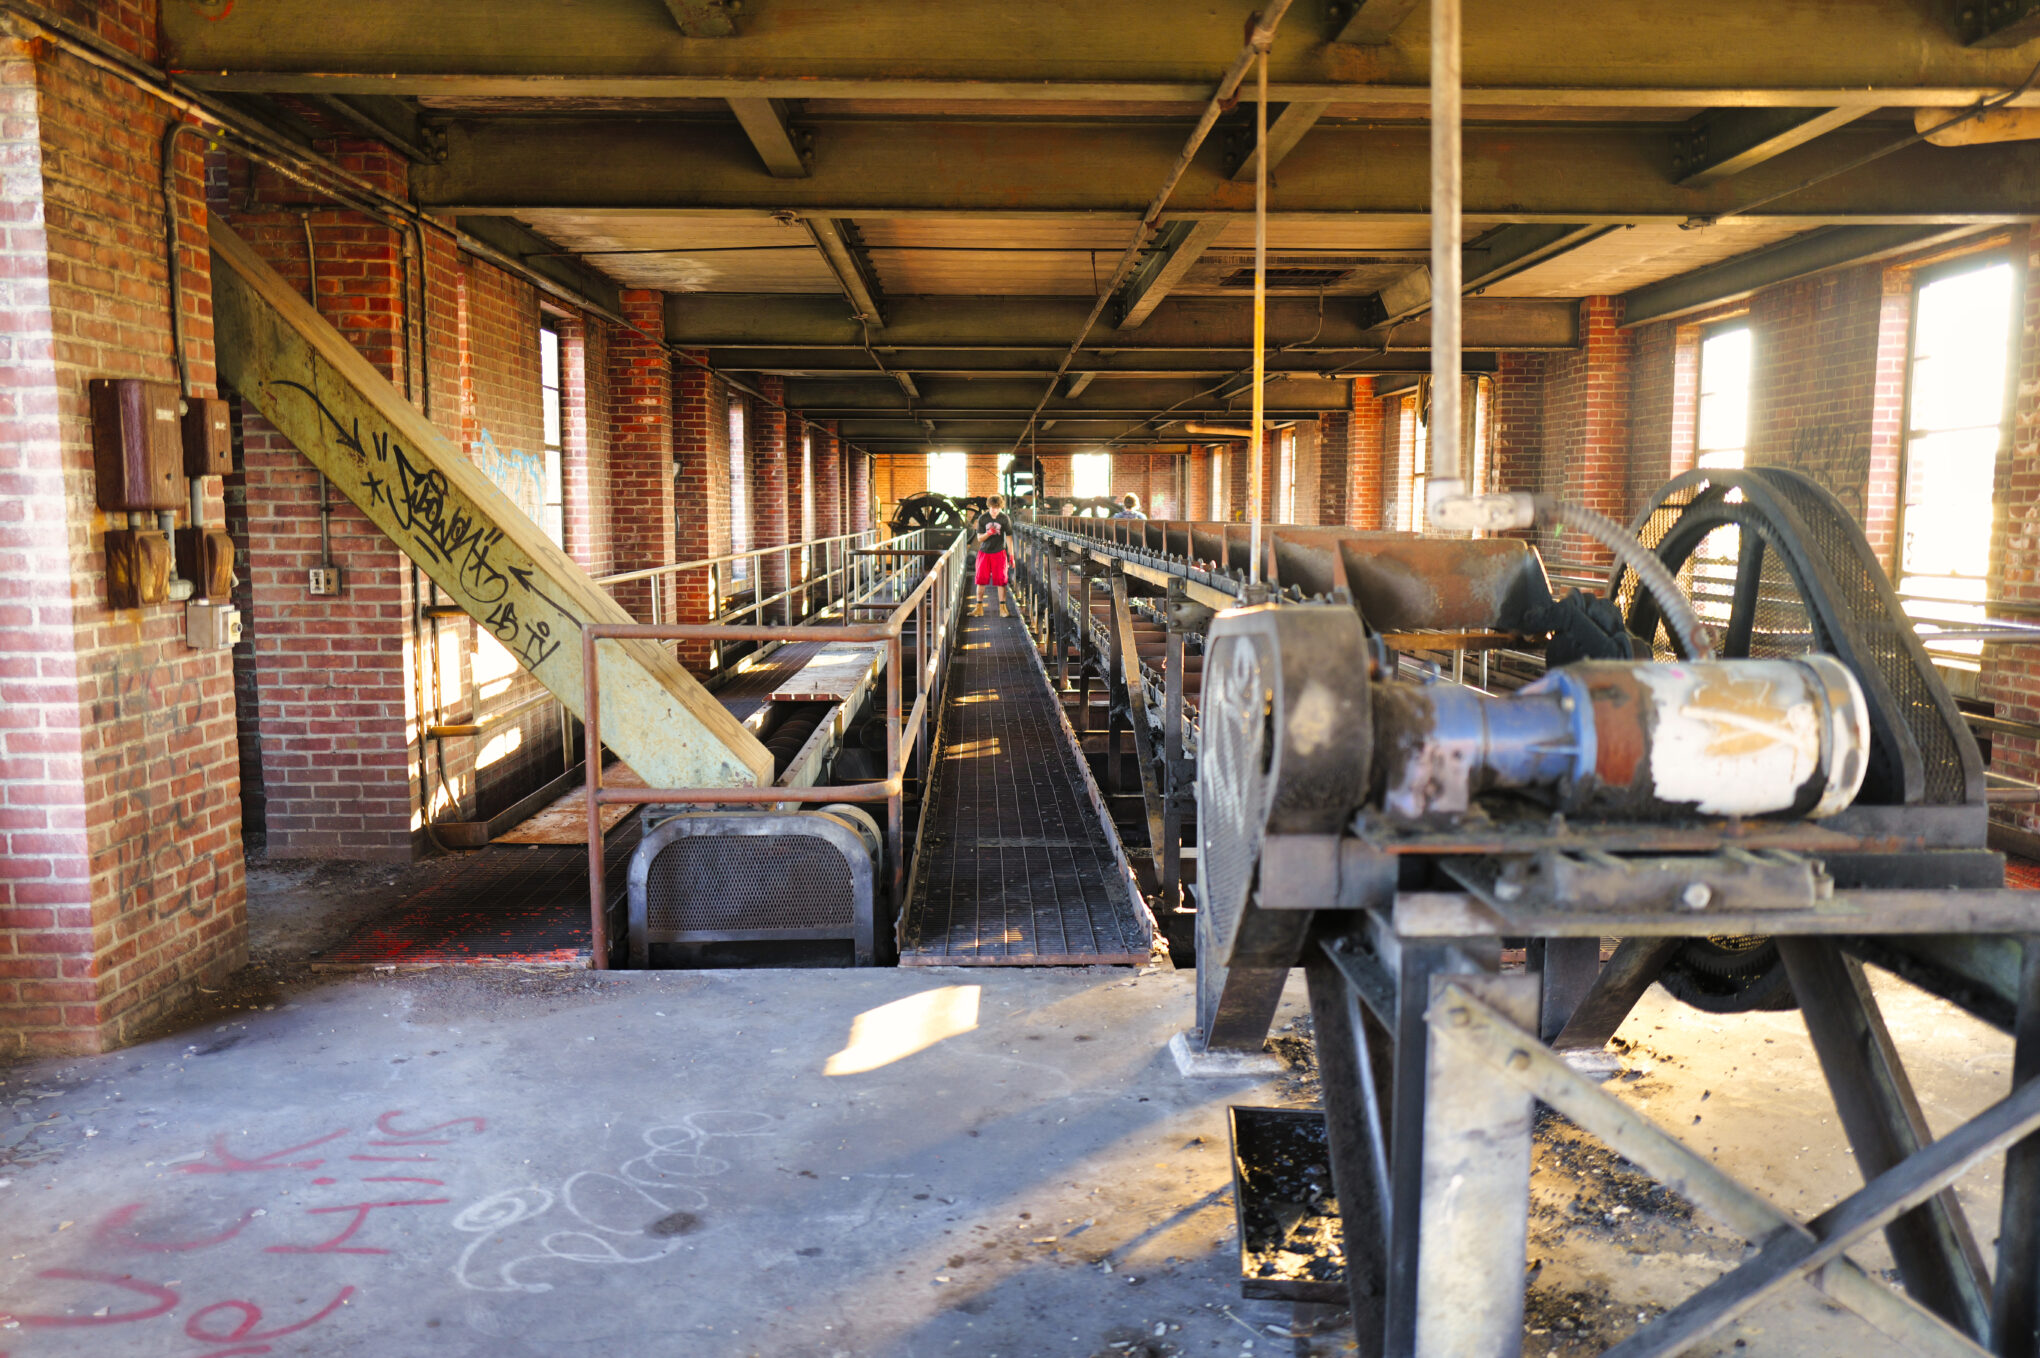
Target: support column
859, 465
641, 454
767, 468
701, 466
1594, 457
1363, 458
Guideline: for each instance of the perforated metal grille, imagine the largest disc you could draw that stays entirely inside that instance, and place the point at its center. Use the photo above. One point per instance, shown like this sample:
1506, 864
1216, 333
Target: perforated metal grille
740, 882
1783, 624
1881, 637
1232, 778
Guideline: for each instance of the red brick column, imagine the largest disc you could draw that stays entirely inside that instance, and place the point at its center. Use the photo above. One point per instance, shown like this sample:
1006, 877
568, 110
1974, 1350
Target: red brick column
641, 452
859, 464
767, 467
829, 465
584, 431
1596, 464
121, 874
696, 452
1363, 457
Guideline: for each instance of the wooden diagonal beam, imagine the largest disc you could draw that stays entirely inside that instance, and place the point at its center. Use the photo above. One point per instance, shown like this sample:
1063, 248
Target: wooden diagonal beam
764, 122
1283, 134
1369, 23
1725, 142
704, 18
1161, 271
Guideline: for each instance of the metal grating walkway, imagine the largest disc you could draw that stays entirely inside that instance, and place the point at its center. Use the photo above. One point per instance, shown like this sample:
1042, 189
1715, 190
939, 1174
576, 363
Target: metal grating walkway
1017, 867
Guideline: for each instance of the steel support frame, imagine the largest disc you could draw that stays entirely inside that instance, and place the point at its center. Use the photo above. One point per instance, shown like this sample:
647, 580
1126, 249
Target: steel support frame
1431, 1061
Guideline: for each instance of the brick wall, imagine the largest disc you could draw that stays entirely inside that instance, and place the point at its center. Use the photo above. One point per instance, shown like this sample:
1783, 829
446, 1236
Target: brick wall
121, 884
701, 466
584, 434
828, 469
861, 469
2010, 677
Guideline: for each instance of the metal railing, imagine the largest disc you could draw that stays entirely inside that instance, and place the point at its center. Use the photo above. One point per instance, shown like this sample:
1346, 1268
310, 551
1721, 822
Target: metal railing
929, 609
816, 578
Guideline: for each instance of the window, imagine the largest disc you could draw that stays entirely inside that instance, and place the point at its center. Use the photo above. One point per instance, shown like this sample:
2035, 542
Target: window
1218, 484
949, 474
1724, 433
807, 484
1412, 465
552, 517
1955, 423
1091, 475
740, 491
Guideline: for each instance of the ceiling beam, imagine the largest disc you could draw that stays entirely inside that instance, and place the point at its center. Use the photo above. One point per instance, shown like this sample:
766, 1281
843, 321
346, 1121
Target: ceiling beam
1078, 381
1597, 174
764, 122
704, 18
823, 398
837, 240
1177, 248
1368, 23
1538, 52
918, 328
1041, 363
1800, 257
1728, 141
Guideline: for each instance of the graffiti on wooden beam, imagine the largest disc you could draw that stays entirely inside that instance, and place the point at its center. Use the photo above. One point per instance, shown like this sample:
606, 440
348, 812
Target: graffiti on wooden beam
417, 500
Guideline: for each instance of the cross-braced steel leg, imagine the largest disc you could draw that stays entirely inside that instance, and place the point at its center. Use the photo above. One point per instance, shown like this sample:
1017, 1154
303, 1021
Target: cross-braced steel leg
2015, 1303
1932, 1243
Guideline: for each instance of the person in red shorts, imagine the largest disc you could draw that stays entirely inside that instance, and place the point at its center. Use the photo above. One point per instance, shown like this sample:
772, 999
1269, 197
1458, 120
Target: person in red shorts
991, 529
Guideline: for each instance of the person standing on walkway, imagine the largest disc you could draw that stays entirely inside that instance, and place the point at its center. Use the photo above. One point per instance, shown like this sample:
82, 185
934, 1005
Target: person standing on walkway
1129, 507
991, 530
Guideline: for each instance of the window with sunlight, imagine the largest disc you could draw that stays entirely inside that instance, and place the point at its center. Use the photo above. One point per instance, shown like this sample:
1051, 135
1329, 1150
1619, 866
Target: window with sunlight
1724, 432
1722, 440
1955, 422
553, 517
1416, 438
949, 474
740, 491
1218, 486
1091, 475
1285, 444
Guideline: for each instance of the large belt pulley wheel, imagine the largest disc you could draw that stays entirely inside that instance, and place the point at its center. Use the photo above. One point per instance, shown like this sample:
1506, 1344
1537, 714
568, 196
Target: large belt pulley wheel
1777, 567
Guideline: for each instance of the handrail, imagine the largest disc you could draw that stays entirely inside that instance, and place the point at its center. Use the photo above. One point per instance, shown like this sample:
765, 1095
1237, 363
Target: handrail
940, 587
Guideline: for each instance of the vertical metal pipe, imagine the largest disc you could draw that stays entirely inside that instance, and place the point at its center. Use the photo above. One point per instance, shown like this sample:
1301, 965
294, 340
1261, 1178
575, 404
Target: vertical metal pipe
591, 744
1260, 305
1446, 274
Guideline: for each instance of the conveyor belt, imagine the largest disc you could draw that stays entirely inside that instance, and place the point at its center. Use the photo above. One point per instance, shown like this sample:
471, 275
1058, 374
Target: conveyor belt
750, 690
1017, 866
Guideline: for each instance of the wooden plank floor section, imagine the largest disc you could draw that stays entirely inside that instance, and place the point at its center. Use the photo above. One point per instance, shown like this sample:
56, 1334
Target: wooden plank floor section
1016, 867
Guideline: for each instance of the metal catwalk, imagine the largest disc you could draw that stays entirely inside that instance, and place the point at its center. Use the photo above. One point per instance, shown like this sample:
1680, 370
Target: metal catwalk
1017, 866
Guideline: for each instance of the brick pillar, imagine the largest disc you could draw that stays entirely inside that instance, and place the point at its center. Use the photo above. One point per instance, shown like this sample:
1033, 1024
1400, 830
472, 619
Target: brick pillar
694, 465
1334, 457
767, 467
1595, 466
828, 482
641, 452
799, 473
121, 873
1364, 450
858, 463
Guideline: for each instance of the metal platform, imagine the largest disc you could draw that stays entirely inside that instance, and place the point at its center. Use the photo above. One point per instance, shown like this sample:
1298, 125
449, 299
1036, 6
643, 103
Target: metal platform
1016, 867
521, 904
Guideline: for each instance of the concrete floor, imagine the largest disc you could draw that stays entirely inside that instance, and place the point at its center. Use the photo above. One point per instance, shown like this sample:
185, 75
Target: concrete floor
805, 1163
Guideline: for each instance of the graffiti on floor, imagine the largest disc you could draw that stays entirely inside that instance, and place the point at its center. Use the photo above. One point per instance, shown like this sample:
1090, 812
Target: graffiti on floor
639, 1214
331, 1195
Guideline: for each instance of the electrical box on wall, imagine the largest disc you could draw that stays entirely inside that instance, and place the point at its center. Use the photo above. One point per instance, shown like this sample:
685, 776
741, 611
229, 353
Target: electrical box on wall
205, 556
208, 438
137, 444
210, 625
137, 568
323, 580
